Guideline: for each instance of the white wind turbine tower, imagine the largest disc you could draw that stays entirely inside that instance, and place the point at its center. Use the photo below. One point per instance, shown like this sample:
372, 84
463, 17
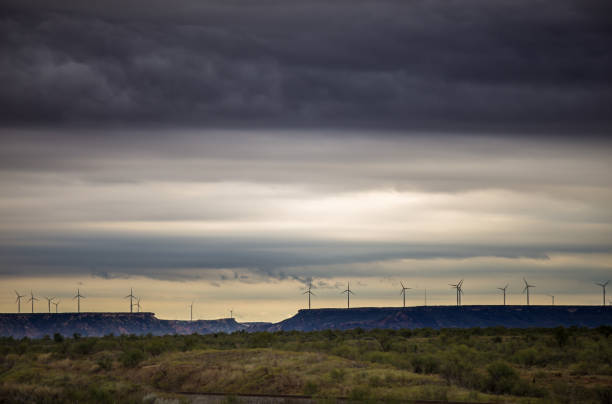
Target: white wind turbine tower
138, 304
131, 297
526, 289
56, 304
403, 292
459, 290
78, 296
504, 290
553, 299
348, 292
191, 312
309, 292
49, 301
18, 301
603, 287
32, 299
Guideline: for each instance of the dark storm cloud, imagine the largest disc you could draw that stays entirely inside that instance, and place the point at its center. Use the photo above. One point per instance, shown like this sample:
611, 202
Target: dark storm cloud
508, 65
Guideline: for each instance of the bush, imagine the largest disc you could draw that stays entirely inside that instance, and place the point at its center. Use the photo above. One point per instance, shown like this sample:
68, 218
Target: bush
311, 388
561, 336
425, 364
57, 337
502, 379
105, 362
83, 347
460, 370
526, 357
131, 358
337, 375
360, 394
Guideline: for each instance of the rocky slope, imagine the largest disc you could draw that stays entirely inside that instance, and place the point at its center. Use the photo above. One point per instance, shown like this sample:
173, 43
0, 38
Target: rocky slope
98, 324
446, 317
38, 325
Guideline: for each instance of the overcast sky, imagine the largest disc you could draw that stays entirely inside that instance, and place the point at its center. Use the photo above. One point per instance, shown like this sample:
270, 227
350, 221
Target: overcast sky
200, 150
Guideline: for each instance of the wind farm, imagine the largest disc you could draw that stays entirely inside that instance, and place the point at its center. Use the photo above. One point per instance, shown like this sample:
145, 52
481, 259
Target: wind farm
136, 307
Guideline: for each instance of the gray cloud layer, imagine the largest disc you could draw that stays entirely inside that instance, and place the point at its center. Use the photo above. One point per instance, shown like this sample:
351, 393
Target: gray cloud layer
184, 204
509, 65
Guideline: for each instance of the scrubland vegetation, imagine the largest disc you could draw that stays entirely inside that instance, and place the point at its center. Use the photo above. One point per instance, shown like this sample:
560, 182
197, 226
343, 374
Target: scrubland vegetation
564, 365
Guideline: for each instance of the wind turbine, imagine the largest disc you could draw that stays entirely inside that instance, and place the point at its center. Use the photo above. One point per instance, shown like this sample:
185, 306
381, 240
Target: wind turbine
56, 304
131, 297
309, 292
403, 292
526, 289
18, 301
32, 299
459, 290
603, 287
191, 312
138, 304
49, 301
348, 292
231, 313
504, 290
78, 296
553, 299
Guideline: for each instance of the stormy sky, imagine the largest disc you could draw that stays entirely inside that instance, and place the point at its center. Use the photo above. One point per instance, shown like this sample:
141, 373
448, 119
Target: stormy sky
231, 152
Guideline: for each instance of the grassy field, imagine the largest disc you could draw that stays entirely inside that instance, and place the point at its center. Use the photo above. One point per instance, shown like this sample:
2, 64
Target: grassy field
475, 365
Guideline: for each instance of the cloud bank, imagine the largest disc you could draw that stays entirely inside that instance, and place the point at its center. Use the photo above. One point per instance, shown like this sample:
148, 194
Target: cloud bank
530, 67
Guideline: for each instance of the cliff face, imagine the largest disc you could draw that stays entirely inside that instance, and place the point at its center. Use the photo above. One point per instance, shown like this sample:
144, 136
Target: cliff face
447, 317
38, 325
227, 325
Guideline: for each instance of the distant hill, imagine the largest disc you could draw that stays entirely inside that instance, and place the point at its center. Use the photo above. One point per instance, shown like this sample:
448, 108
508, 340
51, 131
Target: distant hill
38, 325
446, 317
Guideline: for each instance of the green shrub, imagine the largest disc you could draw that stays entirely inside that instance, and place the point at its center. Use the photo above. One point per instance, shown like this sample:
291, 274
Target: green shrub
561, 336
131, 358
360, 393
83, 347
105, 362
526, 357
502, 378
425, 364
311, 388
337, 375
